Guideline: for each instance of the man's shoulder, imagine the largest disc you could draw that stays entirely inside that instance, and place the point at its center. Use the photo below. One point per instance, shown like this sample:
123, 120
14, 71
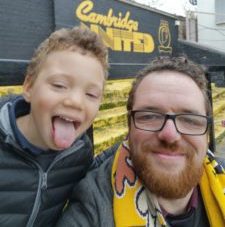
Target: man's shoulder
93, 196
103, 171
97, 181
221, 161
104, 155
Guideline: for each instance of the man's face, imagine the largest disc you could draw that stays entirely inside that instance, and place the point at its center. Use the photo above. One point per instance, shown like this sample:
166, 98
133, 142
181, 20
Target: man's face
64, 98
168, 163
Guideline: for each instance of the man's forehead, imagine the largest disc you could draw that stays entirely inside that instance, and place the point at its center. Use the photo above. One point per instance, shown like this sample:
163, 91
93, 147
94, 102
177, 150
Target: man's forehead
168, 80
169, 89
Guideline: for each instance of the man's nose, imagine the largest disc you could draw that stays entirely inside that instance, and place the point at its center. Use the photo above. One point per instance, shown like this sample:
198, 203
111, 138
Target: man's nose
169, 132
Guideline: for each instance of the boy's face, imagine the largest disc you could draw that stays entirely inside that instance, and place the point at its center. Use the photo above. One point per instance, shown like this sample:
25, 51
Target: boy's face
65, 98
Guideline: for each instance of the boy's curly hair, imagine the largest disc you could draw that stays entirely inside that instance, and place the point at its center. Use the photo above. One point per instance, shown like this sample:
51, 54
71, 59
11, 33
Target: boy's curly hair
77, 39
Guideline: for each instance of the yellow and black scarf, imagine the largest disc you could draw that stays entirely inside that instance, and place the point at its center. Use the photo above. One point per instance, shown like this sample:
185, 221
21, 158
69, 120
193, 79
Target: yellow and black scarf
130, 204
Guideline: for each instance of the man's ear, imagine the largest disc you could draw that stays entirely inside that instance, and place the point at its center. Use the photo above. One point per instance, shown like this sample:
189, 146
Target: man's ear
27, 85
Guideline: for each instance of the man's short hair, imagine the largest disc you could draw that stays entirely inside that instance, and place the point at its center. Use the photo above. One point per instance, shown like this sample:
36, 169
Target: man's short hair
177, 64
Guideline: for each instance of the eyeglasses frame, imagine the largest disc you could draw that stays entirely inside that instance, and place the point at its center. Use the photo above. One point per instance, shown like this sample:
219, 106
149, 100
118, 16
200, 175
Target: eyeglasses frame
171, 117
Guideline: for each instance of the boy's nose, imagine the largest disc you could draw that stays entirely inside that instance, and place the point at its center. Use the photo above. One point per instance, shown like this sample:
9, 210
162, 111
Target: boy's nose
169, 132
74, 100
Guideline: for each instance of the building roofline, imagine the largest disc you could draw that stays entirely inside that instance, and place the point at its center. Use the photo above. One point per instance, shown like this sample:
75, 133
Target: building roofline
202, 46
130, 2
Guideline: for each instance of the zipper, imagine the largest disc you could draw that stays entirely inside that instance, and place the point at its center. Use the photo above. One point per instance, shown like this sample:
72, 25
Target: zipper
37, 201
44, 184
43, 176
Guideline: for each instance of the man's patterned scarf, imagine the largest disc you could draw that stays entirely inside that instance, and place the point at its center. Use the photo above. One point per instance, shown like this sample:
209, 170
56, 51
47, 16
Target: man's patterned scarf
130, 204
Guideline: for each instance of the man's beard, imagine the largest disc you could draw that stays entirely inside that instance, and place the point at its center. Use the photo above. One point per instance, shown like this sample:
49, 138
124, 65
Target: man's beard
163, 183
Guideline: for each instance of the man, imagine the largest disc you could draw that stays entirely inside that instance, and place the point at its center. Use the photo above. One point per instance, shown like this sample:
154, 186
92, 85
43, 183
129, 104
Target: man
162, 175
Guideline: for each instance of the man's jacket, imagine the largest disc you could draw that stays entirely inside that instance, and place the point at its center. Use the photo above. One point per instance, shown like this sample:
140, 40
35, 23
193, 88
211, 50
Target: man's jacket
92, 203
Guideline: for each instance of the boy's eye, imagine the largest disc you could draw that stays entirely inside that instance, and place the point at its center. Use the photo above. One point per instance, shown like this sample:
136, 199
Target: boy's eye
59, 85
92, 95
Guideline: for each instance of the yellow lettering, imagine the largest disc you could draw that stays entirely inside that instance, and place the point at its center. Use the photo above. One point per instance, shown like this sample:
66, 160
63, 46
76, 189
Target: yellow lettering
143, 42
115, 34
122, 40
106, 36
121, 32
138, 42
84, 8
85, 14
149, 44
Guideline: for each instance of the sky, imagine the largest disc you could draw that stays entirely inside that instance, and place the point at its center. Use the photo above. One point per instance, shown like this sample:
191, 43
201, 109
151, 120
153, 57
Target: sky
171, 6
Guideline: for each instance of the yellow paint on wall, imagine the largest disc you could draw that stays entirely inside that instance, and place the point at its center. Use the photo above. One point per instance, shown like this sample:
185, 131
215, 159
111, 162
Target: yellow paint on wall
5, 90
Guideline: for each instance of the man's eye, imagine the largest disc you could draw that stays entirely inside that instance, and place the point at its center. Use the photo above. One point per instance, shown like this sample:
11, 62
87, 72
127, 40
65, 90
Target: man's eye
194, 120
148, 117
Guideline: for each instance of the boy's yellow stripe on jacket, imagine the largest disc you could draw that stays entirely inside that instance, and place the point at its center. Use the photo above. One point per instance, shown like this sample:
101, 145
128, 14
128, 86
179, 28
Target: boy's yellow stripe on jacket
130, 201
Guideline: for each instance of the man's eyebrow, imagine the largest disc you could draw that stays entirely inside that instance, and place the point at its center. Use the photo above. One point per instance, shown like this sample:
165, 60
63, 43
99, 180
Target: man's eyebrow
148, 108
157, 109
188, 111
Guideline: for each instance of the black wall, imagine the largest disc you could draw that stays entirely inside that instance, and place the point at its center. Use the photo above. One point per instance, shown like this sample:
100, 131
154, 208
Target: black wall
214, 61
23, 25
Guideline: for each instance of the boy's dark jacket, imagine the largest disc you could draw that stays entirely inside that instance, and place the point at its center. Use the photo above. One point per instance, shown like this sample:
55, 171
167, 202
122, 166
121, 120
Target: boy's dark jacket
29, 195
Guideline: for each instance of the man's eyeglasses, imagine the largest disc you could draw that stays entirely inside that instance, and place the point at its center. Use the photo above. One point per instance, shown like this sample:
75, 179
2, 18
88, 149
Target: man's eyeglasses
188, 124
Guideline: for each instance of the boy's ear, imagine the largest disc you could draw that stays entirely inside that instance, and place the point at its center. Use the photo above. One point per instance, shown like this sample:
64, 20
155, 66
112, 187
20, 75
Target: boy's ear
27, 85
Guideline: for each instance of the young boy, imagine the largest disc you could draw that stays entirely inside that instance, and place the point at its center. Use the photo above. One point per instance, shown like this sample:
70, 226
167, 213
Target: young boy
43, 152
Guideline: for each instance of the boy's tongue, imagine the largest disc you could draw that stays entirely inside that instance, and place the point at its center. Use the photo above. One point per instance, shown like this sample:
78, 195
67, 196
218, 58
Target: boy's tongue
63, 133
